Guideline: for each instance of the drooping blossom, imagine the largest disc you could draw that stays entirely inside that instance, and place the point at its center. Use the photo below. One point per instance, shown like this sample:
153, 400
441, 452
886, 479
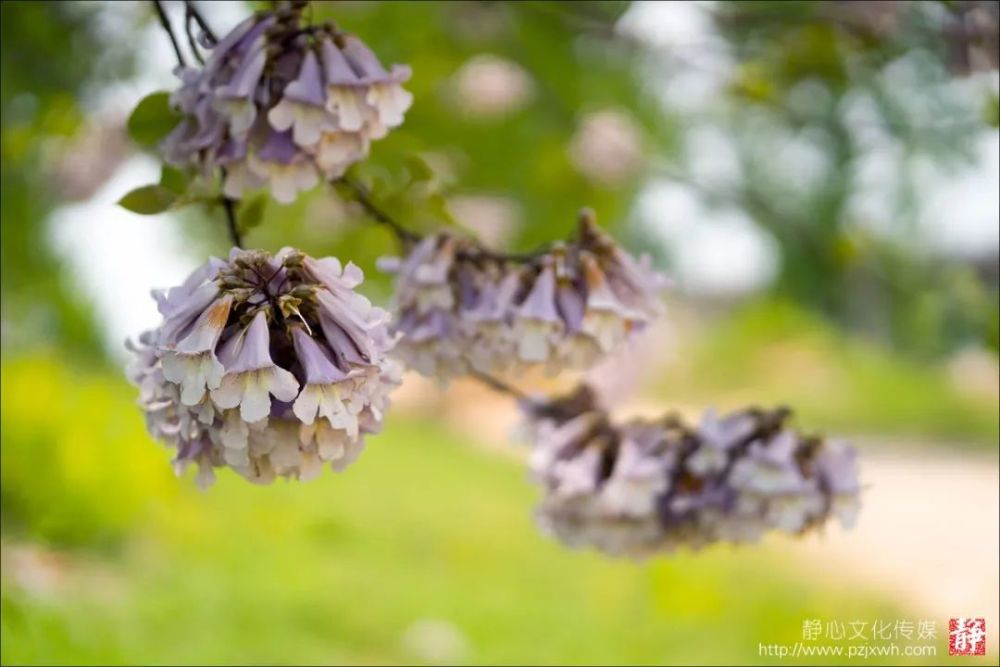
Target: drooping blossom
269, 365
283, 105
461, 308
651, 486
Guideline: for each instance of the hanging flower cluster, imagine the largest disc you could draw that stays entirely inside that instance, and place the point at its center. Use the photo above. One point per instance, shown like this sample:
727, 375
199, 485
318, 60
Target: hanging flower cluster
282, 105
462, 308
269, 365
652, 486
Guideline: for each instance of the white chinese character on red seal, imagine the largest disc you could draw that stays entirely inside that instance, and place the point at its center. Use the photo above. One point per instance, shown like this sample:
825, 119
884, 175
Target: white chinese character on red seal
967, 636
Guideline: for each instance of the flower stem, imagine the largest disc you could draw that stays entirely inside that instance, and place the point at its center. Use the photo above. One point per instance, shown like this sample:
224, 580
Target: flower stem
192, 43
499, 385
194, 13
363, 197
409, 237
234, 229
165, 23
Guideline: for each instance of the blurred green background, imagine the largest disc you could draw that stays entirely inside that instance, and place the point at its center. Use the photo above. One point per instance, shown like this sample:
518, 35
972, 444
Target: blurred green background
818, 178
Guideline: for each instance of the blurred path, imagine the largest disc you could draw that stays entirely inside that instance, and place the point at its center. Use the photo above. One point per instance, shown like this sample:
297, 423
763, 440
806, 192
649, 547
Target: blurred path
928, 534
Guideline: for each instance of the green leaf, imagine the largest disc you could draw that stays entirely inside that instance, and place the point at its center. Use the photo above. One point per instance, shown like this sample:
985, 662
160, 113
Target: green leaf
173, 179
437, 205
418, 168
152, 119
251, 212
148, 200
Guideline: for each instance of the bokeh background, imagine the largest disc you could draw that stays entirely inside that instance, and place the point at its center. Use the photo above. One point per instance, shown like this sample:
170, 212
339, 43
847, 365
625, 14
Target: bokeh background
819, 179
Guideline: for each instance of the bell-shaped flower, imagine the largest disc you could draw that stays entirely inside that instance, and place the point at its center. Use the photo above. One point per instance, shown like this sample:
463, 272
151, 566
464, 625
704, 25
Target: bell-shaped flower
769, 467
538, 320
605, 319
345, 90
640, 477
192, 362
326, 387
302, 106
384, 94
337, 150
285, 169
251, 375
184, 312
719, 437
235, 99
576, 477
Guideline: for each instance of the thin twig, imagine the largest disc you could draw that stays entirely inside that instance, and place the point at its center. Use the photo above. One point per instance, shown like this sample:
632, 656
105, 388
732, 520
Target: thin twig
165, 22
499, 385
200, 20
234, 228
363, 197
192, 43
513, 257
409, 237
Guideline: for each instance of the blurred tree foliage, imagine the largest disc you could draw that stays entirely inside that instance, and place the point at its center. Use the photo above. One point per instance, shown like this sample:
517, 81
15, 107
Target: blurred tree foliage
843, 80
50, 57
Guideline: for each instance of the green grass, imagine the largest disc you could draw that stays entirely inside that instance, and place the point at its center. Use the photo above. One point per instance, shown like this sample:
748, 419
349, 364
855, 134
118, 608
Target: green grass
423, 526
775, 353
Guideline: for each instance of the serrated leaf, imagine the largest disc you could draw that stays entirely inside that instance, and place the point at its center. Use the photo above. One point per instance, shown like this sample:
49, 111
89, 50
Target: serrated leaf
152, 119
251, 212
173, 179
148, 200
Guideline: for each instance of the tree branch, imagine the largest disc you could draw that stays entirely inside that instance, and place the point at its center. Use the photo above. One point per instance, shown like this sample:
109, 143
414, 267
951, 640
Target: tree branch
363, 197
410, 237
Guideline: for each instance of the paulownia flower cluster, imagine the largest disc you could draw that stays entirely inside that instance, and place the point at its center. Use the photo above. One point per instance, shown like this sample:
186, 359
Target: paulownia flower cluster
281, 105
461, 308
274, 365
269, 365
650, 486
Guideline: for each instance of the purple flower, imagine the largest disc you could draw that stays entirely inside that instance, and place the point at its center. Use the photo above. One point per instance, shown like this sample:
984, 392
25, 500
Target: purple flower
280, 107
718, 436
269, 365
302, 107
631, 489
384, 94
460, 307
251, 376
328, 391
837, 469
281, 165
236, 99
538, 321
192, 362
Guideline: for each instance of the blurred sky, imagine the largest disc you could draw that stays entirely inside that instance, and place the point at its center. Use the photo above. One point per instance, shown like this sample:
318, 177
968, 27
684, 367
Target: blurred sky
716, 251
